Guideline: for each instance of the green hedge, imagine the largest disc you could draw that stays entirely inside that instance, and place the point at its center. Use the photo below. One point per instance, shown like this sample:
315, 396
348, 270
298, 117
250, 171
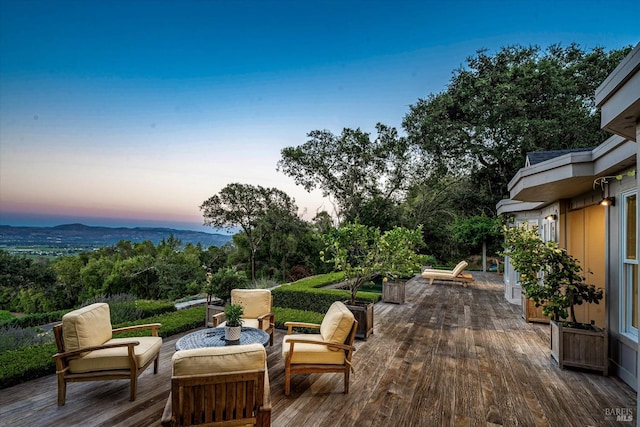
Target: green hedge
38, 319
147, 307
283, 315
304, 295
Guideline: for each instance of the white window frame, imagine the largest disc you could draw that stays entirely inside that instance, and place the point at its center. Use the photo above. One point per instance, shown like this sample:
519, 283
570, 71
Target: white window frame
626, 291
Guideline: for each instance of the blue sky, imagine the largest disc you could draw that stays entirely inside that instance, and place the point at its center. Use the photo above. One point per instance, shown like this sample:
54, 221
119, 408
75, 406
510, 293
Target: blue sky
132, 113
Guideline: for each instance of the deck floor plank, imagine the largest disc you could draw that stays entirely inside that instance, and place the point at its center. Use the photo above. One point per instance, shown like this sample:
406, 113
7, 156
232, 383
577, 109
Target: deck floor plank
449, 355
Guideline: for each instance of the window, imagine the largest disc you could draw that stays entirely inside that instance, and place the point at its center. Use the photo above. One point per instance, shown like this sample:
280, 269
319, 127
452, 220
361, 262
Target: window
629, 264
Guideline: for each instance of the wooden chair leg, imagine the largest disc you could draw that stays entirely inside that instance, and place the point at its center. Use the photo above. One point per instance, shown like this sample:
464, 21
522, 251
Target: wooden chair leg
346, 380
155, 364
62, 390
133, 386
287, 381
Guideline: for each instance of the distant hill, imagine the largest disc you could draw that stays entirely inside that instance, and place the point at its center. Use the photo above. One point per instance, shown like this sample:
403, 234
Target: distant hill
79, 235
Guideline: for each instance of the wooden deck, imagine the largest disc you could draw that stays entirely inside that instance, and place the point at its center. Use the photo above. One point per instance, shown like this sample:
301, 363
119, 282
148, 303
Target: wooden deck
448, 356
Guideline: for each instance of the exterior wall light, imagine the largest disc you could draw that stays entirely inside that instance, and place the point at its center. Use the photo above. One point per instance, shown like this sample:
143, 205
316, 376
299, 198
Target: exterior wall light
608, 201
551, 217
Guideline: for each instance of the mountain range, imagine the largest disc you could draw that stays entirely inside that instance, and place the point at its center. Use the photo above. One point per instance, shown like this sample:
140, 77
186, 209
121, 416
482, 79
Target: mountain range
80, 235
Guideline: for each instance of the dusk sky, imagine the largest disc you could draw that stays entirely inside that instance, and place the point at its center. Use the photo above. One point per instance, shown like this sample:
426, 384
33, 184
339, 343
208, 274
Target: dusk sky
133, 113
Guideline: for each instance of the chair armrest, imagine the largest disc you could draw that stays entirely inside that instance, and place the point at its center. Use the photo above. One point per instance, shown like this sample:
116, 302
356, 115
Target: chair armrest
153, 326
326, 343
264, 316
270, 316
291, 325
72, 353
216, 319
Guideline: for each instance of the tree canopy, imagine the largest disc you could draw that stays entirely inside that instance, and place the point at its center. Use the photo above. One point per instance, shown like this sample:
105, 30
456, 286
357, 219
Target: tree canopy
246, 206
501, 106
350, 168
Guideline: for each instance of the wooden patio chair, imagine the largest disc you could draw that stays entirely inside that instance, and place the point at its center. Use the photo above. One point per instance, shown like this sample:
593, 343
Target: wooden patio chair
257, 310
327, 352
219, 386
87, 350
455, 275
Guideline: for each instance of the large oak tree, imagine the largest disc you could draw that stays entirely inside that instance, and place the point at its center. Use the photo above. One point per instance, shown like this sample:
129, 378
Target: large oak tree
245, 206
350, 168
501, 106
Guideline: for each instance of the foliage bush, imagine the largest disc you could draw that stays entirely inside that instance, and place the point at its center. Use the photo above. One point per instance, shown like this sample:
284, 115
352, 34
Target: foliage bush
5, 316
39, 319
12, 337
223, 281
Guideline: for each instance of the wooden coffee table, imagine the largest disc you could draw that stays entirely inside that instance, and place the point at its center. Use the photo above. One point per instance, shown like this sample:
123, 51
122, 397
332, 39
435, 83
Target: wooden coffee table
214, 337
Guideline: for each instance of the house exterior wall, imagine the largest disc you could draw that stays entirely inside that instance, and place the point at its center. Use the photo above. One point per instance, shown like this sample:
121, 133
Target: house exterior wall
623, 350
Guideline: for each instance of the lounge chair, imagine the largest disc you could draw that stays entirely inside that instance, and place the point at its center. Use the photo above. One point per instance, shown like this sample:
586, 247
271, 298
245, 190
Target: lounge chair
328, 351
257, 310
455, 275
87, 350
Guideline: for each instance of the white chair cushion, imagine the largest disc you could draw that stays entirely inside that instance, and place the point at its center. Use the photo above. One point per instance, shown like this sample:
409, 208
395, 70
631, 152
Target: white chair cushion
255, 302
311, 353
219, 359
88, 326
337, 323
116, 358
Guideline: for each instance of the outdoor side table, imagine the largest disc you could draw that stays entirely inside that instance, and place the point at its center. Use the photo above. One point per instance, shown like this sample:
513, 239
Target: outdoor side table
214, 337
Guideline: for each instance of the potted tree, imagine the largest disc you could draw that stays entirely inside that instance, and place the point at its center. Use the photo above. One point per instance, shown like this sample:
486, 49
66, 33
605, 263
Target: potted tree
218, 289
553, 279
233, 316
399, 261
352, 248
359, 251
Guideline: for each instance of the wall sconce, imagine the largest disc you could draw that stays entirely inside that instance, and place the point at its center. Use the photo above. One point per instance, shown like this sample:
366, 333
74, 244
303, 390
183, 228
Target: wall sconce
551, 217
608, 201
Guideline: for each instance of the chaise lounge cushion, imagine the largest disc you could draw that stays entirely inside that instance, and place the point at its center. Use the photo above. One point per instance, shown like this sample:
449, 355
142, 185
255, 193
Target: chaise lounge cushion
219, 360
459, 268
117, 358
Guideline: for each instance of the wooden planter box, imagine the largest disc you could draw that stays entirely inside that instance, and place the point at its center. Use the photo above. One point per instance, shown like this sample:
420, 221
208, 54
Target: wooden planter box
580, 348
531, 313
363, 312
393, 292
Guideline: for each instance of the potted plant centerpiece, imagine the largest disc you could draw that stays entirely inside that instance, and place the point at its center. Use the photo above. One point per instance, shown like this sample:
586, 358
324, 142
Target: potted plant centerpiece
233, 315
553, 279
357, 250
400, 261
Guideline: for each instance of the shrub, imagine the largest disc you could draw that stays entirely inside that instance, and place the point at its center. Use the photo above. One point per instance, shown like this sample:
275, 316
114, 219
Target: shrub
12, 337
38, 319
223, 281
122, 307
5, 317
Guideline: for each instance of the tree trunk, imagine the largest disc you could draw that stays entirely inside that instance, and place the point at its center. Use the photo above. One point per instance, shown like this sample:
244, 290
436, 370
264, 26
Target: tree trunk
484, 256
